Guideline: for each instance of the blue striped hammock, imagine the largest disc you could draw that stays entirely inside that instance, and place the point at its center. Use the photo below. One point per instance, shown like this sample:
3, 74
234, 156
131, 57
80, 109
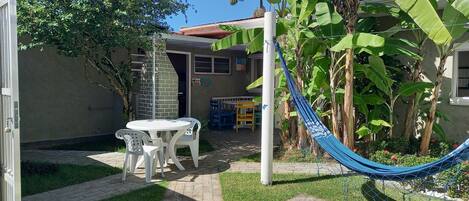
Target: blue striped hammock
321, 134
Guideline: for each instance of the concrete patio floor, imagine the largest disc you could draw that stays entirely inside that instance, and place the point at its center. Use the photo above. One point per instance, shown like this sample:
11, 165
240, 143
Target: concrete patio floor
192, 184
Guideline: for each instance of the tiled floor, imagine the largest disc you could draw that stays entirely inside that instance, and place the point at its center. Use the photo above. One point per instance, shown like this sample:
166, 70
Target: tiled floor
193, 184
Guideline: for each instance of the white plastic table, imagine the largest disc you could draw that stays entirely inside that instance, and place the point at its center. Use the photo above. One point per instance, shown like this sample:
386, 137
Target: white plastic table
153, 126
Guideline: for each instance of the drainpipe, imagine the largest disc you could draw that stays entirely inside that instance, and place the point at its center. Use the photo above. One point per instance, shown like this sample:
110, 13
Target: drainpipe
153, 78
268, 99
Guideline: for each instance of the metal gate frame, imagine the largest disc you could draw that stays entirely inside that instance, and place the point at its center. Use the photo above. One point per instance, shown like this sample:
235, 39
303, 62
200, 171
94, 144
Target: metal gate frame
10, 178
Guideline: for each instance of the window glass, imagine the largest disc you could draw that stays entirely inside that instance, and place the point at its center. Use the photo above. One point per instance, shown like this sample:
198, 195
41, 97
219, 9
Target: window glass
221, 65
463, 74
203, 64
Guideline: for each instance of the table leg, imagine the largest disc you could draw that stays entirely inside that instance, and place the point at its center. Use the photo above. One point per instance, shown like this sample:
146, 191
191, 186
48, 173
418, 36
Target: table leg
172, 150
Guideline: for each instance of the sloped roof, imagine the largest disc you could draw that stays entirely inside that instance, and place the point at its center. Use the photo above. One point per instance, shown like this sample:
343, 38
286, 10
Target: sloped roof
212, 30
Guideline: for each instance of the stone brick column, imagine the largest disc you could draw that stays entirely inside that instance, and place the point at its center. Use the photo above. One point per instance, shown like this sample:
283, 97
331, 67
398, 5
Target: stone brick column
166, 82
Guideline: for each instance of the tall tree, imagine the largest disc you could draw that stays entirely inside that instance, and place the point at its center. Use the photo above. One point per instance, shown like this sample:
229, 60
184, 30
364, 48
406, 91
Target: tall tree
348, 9
94, 30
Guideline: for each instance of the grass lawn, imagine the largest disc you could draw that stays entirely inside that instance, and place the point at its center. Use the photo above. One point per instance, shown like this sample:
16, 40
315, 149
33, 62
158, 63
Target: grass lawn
291, 156
112, 144
40, 177
151, 193
246, 186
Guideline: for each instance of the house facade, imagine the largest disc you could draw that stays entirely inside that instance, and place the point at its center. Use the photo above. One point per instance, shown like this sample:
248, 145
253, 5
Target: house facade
175, 79
178, 78
188, 73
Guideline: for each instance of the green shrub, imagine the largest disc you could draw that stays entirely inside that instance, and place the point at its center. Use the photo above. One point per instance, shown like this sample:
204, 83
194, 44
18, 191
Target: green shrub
456, 181
397, 145
438, 148
384, 157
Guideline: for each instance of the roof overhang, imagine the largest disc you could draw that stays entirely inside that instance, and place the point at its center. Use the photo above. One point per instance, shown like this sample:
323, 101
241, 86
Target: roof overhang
213, 30
194, 42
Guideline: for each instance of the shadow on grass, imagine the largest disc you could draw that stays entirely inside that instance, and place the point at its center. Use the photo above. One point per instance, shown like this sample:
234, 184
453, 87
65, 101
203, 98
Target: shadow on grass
304, 180
370, 192
38, 177
153, 192
112, 144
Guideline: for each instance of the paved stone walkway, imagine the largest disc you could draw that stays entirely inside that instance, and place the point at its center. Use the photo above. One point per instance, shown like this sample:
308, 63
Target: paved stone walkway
305, 198
192, 184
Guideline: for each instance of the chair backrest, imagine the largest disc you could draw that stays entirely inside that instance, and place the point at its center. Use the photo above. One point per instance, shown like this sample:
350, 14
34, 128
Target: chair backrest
215, 106
245, 107
192, 130
134, 140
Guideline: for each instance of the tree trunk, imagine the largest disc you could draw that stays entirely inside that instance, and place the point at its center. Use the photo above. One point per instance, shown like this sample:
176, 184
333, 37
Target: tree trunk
349, 140
288, 137
410, 120
427, 133
351, 13
293, 126
302, 133
335, 110
128, 108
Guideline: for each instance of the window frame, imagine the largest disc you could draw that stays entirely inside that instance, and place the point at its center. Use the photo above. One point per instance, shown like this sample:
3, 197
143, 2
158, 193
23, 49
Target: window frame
212, 57
455, 100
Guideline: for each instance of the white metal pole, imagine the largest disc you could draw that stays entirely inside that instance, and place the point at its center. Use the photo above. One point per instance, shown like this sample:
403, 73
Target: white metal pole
268, 98
153, 78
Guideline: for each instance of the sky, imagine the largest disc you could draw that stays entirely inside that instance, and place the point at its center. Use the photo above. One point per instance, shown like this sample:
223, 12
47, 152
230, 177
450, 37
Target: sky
208, 11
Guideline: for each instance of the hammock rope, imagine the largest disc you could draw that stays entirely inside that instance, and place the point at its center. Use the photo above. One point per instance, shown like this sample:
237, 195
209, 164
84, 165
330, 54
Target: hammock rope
346, 157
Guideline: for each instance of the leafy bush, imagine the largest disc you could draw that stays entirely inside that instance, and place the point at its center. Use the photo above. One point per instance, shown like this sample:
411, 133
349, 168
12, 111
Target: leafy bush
35, 168
455, 180
384, 157
397, 145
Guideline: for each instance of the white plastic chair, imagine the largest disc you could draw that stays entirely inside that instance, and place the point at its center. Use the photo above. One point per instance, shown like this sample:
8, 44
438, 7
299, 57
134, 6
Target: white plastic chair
138, 144
191, 138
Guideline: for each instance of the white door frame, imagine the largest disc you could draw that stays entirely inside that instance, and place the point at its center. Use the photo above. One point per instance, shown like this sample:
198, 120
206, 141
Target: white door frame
10, 179
188, 77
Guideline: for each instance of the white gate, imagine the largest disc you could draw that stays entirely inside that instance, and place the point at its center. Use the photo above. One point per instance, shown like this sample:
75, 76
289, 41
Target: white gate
10, 183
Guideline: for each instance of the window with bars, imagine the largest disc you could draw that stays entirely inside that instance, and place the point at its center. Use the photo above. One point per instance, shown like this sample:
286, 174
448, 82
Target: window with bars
212, 65
461, 75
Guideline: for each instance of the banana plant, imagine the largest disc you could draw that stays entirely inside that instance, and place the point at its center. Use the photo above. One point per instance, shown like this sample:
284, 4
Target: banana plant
291, 34
443, 31
377, 73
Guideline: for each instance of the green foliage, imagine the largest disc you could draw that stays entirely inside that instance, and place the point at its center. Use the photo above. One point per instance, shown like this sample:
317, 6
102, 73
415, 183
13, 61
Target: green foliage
425, 16
455, 179
258, 82
410, 88
376, 72
307, 8
77, 27
358, 40
462, 7
394, 145
252, 38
